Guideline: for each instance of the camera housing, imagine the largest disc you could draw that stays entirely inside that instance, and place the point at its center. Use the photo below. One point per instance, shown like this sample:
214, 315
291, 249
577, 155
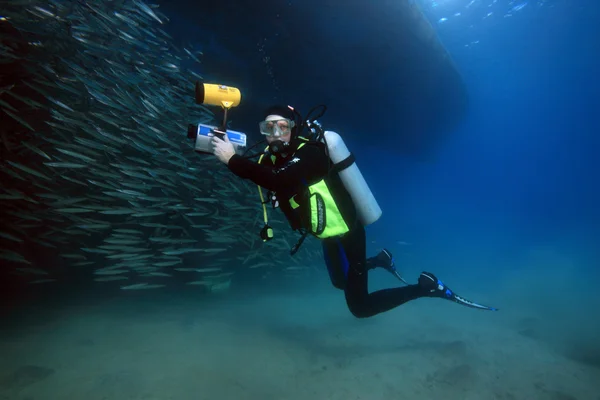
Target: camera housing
203, 134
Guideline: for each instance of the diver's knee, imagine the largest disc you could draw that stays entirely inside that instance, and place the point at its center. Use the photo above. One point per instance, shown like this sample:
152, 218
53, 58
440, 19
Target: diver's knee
359, 310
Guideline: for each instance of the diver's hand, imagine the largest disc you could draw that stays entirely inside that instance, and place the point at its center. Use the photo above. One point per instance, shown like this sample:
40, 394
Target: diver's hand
223, 149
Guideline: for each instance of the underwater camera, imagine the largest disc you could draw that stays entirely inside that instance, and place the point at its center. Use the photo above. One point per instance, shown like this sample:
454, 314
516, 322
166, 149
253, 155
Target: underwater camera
216, 95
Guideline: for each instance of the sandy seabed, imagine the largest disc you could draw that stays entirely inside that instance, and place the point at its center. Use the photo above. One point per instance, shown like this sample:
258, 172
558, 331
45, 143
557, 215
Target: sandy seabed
287, 347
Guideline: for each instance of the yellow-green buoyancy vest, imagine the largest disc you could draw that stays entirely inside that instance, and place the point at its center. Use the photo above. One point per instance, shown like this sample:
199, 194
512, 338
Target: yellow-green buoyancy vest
325, 217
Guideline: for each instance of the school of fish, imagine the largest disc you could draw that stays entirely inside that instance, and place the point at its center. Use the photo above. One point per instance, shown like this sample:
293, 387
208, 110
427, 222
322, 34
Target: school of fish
97, 172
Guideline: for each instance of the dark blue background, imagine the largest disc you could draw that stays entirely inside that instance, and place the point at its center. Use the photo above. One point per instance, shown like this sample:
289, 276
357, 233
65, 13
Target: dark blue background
523, 172
520, 171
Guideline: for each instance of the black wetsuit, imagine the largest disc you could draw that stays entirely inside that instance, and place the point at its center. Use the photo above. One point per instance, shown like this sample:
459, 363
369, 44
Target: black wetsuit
345, 255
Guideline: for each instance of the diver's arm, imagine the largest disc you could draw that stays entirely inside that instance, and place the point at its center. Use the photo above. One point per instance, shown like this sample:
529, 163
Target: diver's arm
307, 164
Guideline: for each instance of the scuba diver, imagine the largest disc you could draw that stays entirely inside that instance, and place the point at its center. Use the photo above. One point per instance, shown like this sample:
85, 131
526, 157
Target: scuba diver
302, 180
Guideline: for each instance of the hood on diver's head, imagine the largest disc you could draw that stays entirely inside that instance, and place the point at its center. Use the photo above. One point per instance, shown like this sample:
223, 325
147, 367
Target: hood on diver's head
282, 111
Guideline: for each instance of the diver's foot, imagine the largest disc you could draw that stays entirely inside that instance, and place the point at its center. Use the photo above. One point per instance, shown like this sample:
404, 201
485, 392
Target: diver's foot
434, 286
385, 260
437, 288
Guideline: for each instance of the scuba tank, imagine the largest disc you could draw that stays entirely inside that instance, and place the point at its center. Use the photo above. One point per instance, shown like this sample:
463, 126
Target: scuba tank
367, 208
344, 164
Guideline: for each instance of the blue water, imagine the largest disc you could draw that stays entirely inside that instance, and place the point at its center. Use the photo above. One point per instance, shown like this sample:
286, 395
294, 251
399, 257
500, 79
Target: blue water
505, 210
511, 194
523, 170
518, 173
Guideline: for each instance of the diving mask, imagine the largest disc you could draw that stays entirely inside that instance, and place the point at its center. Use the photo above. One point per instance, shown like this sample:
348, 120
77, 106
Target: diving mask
276, 126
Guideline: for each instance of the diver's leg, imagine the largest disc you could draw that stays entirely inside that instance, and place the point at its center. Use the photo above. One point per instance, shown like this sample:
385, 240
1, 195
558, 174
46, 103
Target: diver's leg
361, 303
357, 280
335, 261
364, 304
